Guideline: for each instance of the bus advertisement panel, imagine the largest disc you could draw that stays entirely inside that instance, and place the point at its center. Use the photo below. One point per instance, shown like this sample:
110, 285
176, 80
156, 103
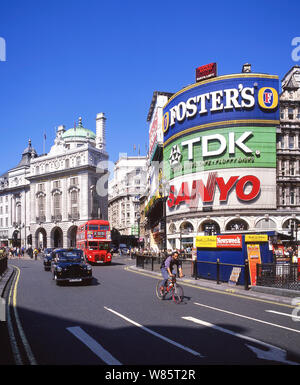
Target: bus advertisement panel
93, 237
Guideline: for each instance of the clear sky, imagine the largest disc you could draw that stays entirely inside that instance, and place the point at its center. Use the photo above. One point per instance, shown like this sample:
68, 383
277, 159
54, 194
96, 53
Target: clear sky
71, 58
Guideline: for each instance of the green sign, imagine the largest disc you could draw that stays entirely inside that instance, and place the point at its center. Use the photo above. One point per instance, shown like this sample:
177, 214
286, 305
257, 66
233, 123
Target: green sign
223, 148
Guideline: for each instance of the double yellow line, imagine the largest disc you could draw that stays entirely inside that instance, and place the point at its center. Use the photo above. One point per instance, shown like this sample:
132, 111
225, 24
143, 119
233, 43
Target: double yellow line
12, 304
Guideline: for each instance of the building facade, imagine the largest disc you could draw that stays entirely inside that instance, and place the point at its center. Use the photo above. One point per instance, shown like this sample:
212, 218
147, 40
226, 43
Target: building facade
44, 198
124, 191
230, 160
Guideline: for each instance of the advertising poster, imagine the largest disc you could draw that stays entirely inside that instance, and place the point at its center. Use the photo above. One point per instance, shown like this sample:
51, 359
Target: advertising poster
253, 252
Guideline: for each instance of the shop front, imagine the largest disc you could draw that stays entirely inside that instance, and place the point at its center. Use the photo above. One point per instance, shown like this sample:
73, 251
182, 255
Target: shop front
231, 252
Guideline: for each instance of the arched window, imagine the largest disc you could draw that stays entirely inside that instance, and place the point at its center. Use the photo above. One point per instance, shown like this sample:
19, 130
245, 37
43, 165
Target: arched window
186, 227
265, 224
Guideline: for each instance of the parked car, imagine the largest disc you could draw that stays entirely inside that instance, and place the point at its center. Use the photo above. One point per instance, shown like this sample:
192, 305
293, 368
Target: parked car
114, 248
123, 249
47, 254
69, 265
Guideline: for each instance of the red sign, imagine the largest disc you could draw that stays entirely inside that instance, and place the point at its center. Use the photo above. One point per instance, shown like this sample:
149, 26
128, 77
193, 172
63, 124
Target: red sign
206, 193
207, 71
230, 241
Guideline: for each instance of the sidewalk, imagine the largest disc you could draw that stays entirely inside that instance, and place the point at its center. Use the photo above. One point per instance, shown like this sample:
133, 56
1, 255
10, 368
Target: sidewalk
260, 292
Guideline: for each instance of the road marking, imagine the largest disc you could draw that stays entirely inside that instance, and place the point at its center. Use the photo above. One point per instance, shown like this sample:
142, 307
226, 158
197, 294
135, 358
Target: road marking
93, 345
154, 333
30, 356
250, 318
273, 354
288, 315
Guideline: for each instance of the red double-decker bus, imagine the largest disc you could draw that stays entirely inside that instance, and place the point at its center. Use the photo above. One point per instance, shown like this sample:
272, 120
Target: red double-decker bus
93, 237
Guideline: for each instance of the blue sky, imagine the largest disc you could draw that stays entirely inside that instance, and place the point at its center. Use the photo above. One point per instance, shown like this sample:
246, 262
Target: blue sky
72, 58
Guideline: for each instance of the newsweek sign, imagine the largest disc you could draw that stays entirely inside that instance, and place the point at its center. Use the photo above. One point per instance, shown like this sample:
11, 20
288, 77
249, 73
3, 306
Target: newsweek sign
219, 241
205, 72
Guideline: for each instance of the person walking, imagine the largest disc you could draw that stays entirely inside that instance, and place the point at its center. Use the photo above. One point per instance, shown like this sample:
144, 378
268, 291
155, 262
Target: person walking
35, 253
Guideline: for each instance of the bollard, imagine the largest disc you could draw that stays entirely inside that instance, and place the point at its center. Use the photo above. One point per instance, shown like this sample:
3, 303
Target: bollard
246, 274
218, 271
2, 310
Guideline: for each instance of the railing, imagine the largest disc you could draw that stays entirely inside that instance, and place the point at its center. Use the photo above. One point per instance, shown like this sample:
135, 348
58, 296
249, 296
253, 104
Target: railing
280, 275
217, 271
73, 216
41, 219
3, 265
56, 218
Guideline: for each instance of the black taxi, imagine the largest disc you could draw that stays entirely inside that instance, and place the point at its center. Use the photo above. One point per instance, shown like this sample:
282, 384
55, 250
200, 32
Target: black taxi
69, 265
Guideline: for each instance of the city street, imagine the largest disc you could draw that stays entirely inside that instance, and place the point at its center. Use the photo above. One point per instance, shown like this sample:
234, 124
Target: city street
118, 320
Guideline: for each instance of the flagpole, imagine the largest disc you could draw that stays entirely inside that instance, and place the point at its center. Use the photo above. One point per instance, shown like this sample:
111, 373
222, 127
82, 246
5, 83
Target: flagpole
44, 143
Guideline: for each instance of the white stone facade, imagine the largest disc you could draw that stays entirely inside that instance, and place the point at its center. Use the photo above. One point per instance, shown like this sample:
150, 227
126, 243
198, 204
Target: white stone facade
128, 183
48, 196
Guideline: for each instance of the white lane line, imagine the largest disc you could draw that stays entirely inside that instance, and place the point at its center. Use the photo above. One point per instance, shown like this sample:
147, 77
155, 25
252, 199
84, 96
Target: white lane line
288, 315
250, 318
154, 333
93, 345
273, 354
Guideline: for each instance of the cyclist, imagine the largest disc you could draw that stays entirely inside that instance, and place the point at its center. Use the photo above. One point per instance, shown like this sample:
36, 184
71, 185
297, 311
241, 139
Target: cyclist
167, 267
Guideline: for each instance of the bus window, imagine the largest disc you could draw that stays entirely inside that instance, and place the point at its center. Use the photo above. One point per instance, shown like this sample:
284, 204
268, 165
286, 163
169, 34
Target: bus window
104, 227
93, 227
93, 246
103, 246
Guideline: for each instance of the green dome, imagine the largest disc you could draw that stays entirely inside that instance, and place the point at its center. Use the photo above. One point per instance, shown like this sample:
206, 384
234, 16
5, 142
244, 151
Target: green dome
78, 132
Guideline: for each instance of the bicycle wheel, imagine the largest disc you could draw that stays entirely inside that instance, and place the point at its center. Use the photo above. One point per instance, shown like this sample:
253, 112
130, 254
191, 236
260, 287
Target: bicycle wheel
177, 294
160, 293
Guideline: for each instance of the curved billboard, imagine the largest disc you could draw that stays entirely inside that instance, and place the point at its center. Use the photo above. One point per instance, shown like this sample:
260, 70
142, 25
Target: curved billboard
220, 143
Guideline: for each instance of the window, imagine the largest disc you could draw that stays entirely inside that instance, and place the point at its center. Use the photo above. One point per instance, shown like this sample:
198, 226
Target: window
19, 213
57, 203
78, 161
291, 141
280, 141
41, 206
56, 184
291, 113
37, 170
67, 163
281, 113
298, 114
74, 181
74, 202
292, 196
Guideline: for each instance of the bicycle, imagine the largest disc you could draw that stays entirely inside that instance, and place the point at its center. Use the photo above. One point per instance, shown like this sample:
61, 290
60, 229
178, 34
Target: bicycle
171, 290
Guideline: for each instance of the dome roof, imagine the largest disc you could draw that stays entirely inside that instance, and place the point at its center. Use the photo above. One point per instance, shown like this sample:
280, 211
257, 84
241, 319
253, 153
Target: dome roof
78, 132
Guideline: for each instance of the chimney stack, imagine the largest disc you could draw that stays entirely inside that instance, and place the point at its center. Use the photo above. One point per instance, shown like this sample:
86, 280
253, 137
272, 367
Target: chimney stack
100, 131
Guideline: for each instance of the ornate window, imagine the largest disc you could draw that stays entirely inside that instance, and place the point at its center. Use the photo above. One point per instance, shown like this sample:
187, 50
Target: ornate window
56, 204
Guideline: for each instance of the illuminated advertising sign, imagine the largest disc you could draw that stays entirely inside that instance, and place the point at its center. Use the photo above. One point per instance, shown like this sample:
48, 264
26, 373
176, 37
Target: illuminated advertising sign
205, 72
220, 143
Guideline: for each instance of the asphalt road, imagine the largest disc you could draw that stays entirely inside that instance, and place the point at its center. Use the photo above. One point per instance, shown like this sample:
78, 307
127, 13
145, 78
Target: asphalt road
118, 320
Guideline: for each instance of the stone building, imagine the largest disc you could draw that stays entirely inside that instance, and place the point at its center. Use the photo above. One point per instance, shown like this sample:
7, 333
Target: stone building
126, 187
44, 198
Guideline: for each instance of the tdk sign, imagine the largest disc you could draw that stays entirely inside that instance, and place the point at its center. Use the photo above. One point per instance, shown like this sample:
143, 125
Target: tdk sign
243, 99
